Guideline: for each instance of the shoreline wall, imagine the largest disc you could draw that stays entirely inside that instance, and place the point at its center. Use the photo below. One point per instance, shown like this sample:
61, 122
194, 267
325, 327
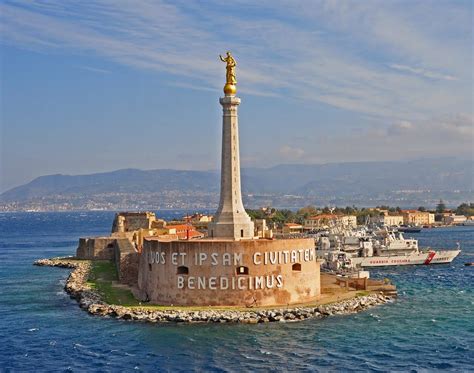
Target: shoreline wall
96, 248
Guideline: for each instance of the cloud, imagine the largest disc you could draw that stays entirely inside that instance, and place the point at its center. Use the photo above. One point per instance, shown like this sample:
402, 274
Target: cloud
422, 72
331, 52
449, 136
400, 128
287, 152
438, 136
95, 69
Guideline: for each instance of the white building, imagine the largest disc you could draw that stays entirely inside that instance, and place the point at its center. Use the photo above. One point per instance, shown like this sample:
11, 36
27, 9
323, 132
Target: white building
388, 220
454, 219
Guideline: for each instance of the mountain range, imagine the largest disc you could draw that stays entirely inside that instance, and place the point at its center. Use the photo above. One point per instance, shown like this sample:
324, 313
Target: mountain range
448, 178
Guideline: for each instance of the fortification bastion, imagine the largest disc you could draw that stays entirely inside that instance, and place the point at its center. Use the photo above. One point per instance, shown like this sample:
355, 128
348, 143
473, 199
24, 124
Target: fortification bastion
219, 272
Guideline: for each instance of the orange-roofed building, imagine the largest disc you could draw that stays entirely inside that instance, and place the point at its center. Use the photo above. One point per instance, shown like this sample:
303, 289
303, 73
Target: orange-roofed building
415, 217
184, 231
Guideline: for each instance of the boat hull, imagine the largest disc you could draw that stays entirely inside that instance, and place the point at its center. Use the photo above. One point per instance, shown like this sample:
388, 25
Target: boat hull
409, 230
417, 258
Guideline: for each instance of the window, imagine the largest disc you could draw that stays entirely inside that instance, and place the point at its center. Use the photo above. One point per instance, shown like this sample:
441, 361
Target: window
242, 270
241, 233
182, 270
110, 245
296, 267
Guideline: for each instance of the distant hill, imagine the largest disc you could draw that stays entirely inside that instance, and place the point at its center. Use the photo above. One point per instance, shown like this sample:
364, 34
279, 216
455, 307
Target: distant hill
121, 181
334, 182
444, 174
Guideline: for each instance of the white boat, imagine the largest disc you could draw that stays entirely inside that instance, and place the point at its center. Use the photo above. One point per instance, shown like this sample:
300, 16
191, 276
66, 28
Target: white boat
392, 249
414, 258
468, 223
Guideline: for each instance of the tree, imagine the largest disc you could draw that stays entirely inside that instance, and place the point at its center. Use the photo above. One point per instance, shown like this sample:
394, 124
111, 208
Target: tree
350, 210
441, 207
256, 214
422, 208
465, 209
307, 211
363, 214
283, 216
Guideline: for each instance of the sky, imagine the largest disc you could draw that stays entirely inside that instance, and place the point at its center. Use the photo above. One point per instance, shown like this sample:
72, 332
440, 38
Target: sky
95, 86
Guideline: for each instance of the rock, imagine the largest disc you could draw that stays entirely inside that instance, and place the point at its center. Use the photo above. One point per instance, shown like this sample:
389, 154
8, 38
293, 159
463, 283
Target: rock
76, 286
249, 321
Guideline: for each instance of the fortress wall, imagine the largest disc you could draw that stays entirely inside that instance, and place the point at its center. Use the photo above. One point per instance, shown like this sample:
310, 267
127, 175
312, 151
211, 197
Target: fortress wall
126, 262
276, 272
98, 248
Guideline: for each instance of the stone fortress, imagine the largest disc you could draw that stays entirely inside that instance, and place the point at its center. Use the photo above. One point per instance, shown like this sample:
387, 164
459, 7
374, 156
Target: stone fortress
235, 264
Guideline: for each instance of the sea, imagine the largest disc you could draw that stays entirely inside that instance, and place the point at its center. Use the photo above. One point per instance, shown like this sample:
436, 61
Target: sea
429, 328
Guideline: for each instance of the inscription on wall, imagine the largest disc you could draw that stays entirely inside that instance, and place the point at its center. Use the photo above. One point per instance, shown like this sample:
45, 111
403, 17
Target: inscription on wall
241, 281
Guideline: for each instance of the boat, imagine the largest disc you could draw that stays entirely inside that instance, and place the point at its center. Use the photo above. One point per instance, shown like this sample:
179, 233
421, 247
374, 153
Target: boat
415, 258
391, 249
409, 229
469, 264
468, 223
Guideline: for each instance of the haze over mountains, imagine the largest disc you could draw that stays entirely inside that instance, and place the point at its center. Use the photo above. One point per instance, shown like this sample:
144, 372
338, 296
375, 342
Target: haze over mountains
403, 183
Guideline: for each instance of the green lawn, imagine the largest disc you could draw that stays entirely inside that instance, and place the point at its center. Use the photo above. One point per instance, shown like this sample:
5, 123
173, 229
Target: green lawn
103, 273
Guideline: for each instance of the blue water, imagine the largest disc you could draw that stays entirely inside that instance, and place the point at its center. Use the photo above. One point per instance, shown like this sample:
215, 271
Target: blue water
429, 328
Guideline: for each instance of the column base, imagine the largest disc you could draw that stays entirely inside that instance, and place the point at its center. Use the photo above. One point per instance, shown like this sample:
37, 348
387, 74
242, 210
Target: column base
235, 231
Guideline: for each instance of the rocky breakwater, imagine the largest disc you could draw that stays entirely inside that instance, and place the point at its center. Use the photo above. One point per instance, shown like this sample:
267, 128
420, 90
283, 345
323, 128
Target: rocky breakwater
76, 286
76, 283
238, 316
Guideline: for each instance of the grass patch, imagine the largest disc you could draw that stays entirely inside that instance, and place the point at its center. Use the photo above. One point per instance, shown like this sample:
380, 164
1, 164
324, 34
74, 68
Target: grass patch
102, 277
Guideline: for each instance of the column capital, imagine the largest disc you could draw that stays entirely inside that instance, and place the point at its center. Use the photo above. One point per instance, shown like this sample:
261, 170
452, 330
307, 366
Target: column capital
229, 100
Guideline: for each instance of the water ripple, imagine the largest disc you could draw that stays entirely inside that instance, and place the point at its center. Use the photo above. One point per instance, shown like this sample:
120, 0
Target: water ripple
428, 328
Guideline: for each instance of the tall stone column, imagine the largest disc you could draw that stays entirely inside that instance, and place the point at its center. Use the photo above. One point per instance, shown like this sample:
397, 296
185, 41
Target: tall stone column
231, 219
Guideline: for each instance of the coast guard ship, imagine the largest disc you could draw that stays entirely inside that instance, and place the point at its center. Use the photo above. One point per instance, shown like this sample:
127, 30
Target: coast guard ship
389, 249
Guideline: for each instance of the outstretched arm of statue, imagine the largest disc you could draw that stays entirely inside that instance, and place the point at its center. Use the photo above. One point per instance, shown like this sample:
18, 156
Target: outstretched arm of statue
222, 59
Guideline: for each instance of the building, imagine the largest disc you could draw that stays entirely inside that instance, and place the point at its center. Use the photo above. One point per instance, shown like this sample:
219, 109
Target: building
454, 219
262, 230
348, 221
327, 220
232, 266
132, 221
291, 228
388, 220
415, 217
197, 218
183, 231
320, 221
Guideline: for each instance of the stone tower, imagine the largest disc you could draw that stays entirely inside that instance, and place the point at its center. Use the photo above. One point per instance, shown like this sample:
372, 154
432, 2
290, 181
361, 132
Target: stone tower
231, 220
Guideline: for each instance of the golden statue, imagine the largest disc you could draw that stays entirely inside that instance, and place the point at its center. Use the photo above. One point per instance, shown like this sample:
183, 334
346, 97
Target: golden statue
230, 85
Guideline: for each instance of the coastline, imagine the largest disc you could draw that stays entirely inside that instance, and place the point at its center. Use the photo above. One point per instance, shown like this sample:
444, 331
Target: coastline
91, 301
